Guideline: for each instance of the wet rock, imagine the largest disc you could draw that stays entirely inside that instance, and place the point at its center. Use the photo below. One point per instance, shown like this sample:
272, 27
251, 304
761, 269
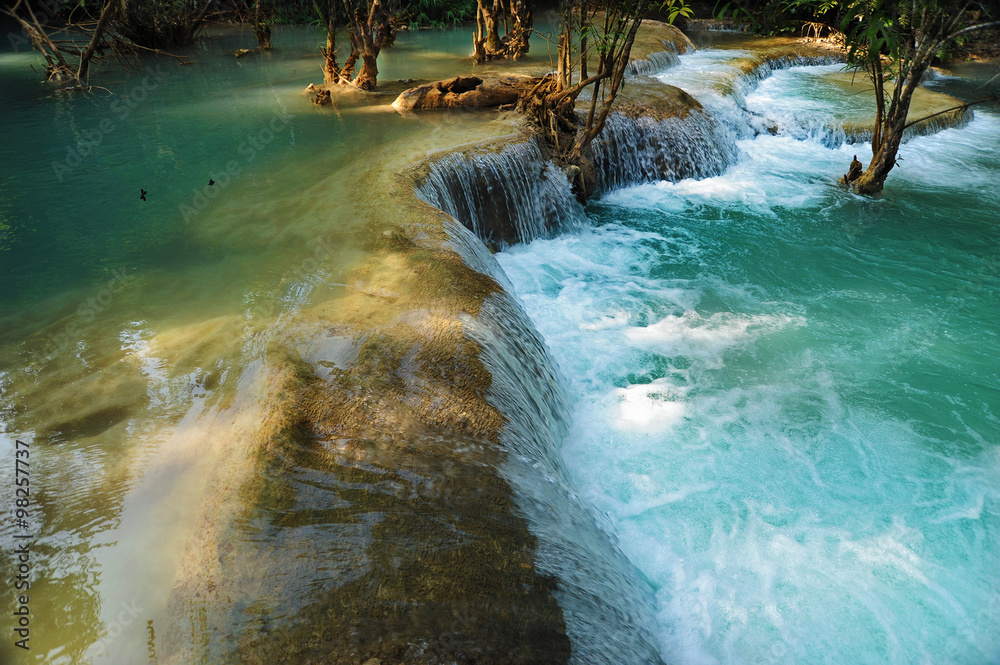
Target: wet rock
462, 92
672, 34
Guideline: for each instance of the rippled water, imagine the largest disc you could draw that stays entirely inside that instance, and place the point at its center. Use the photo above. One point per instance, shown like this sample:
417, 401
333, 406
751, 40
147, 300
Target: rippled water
786, 397
133, 333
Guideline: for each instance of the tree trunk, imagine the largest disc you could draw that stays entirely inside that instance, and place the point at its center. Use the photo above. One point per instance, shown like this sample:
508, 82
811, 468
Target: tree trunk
889, 132
873, 179
261, 28
478, 39
490, 28
331, 72
368, 76
348, 69
95, 39
262, 32
521, 12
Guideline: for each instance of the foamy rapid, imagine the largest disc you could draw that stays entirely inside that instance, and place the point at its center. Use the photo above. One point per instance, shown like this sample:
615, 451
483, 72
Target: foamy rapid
784, 395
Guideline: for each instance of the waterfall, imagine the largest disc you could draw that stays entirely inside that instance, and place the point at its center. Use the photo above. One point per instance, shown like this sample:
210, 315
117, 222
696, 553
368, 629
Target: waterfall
955, 119
509, 193
607, 605
504, 196
654, 62
512, 194
811, 126
767, 66
637, 150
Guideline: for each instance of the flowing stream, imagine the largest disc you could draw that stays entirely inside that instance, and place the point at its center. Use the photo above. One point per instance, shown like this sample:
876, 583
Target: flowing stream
785, 398
777, 399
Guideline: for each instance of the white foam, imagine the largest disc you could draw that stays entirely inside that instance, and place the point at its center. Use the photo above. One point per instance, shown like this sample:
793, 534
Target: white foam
757, 416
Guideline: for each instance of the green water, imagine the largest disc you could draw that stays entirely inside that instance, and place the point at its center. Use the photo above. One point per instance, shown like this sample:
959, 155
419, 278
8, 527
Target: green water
132, 336
131, 328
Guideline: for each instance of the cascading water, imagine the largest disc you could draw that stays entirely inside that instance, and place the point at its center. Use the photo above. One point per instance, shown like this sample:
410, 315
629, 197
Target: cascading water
504, 196
632, 151
607, 606
783, 395
655, 62
512, 194
833, 115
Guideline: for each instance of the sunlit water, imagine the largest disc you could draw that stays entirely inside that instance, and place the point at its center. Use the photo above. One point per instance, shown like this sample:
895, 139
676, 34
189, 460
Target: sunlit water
131, 330
786, 397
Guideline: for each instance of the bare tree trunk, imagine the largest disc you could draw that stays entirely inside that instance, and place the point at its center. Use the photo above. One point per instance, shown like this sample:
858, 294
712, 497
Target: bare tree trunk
369, 33
522, 14
889, 128
331, 72
368, 75
873, 179
347, 72
488, 19
614, 70
479, 39
95, 39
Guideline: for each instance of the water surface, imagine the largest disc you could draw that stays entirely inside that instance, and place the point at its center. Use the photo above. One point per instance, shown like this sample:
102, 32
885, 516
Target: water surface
786, 396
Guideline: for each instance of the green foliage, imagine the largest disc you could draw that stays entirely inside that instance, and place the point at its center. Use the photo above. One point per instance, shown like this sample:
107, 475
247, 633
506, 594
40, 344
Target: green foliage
439, 13
773, 17
675, 9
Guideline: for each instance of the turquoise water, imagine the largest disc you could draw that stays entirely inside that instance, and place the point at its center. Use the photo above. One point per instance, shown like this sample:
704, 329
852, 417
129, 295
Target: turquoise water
74, 165
787, 397
133, 334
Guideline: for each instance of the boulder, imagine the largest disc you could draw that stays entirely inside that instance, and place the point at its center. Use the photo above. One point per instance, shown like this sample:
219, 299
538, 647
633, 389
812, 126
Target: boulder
462, 92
